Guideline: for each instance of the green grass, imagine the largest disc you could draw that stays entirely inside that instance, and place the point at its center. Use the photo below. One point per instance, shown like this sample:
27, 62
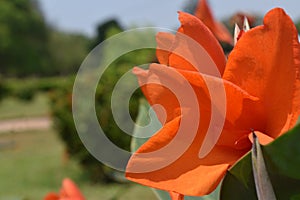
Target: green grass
32, 164
11, 107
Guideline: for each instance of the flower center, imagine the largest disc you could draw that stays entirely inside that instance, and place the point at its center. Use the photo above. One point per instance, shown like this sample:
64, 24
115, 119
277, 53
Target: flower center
243, 143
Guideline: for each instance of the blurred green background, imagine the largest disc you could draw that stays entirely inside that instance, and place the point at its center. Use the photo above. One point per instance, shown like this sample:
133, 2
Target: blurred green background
38, 64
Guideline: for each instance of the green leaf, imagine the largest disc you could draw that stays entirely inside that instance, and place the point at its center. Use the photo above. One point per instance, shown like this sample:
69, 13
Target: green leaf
161, 194
282, 159
146, 125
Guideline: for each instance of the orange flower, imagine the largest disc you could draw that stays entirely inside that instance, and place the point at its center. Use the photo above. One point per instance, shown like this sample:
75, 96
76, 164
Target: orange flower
69, 191
261, 81
204, 13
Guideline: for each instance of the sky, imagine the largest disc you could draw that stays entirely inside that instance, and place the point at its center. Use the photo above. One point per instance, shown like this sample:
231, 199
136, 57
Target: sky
83, 15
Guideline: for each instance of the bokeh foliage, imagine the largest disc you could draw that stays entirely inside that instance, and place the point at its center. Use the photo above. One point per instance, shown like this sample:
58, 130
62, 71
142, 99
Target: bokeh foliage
61, 104
31, 47
23, 37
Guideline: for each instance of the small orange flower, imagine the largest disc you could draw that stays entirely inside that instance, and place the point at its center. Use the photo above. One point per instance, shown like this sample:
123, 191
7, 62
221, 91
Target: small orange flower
262, 84
69, 191
204, 13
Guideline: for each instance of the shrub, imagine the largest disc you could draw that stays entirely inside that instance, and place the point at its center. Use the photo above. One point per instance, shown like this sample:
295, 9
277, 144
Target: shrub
26, 89
61, 106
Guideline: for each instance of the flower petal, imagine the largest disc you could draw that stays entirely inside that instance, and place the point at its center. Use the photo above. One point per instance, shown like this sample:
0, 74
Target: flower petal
157, 93
204, 13
266, 63
188, 174
238, 105
262, 138
70, 190
194, 47
164, 44
176, 196
51, 196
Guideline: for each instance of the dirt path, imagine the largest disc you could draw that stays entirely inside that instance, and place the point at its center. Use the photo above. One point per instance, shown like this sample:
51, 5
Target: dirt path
17, 125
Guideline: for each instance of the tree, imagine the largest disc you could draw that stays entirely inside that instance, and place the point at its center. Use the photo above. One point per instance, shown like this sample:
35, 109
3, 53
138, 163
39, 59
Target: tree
297, 23
67, 51
23, 38
105, 30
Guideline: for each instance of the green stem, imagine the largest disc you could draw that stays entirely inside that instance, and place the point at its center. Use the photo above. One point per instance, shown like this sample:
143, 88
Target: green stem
263, 184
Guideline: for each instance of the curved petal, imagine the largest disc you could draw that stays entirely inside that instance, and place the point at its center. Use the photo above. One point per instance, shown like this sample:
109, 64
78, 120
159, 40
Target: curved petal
194, 47
262, 138
204, 13
156, 93
189, 174
265, 62
176, 196
243, 111
164, 46
70, 190
51, 196
236, 98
